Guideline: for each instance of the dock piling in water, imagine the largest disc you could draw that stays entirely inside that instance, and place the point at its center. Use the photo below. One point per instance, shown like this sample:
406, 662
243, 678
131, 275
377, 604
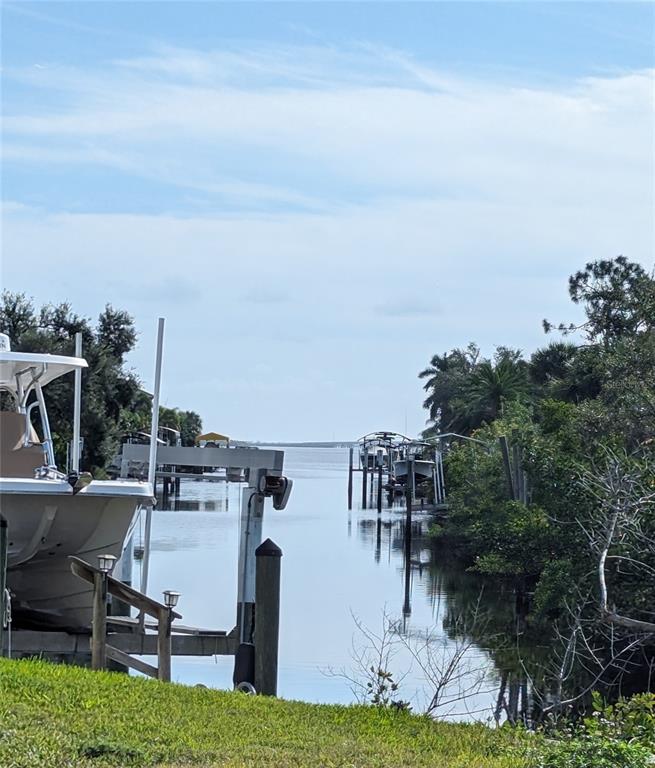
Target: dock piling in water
379, 489
267, 617
350, 478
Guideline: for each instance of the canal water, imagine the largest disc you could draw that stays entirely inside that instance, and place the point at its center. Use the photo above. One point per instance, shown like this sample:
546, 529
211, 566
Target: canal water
339, 569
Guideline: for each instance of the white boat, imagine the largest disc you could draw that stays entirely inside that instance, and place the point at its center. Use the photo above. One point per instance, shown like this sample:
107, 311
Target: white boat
422, 469
379, 450
414, 453
50, 515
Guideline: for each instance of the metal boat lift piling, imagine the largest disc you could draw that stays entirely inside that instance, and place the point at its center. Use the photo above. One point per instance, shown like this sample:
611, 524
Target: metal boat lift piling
377, 470
122, 638
374, 480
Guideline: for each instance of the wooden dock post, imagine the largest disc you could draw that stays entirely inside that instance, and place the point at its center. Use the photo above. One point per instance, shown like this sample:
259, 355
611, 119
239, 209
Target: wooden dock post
364, 477
409, 499
411, 481
267, 617
4, 546
379, 487
99, 636
378, 540
164, 644
350, 478
101, 650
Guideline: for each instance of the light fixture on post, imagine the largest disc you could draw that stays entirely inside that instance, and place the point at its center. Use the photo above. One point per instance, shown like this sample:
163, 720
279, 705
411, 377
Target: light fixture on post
106, 563
171, 598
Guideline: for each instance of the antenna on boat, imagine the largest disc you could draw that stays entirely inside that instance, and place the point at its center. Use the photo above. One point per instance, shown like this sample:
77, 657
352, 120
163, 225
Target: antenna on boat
152, 459
77, 409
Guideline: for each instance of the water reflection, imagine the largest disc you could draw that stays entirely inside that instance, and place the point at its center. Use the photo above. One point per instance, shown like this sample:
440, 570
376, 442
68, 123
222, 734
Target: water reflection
338, 565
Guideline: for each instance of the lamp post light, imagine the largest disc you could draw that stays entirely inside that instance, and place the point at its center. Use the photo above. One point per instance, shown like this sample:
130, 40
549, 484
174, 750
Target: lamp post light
106, 563
170, 598
164, 641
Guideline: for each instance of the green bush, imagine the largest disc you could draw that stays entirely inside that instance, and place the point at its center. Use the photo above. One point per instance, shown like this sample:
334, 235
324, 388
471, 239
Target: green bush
592, 752
614, 736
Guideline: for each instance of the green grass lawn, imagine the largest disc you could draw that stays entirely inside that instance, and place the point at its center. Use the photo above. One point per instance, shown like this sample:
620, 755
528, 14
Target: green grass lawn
52, 715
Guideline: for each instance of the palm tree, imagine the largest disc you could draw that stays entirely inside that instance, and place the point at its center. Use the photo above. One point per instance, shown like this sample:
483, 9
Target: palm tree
446, 377
552, 362
493, 384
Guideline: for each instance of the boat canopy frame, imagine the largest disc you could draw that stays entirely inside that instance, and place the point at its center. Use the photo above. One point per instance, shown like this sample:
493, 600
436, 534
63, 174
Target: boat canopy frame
22, 373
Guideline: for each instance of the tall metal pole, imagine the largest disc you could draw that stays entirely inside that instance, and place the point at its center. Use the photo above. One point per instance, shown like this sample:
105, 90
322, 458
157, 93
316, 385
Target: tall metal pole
77, 408
152, 458
250, 537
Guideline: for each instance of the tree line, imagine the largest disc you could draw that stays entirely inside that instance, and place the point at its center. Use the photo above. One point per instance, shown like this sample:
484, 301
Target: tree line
113, 400
579, 545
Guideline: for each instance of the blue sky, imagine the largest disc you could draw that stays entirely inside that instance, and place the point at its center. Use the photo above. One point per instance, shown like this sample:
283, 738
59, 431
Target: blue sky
319, 196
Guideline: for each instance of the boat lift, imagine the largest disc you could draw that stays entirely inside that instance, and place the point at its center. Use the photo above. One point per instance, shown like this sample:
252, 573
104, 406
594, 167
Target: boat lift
261, 470
254, 644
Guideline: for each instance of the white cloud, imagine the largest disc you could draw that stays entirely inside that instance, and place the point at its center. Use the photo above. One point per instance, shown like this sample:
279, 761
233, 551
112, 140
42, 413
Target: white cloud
418, 129
358, 181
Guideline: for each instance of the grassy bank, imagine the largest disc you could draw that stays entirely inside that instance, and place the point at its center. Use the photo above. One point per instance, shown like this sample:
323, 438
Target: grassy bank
65, 716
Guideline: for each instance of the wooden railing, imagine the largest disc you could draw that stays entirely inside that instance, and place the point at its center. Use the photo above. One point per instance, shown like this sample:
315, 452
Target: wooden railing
104, 585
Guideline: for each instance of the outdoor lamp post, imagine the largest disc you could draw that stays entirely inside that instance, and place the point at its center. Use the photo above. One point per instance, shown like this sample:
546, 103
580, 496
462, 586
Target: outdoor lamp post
106, 563
170, 598
164, 648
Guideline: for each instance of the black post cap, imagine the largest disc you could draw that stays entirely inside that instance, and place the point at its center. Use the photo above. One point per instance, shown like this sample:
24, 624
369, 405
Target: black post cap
268, 548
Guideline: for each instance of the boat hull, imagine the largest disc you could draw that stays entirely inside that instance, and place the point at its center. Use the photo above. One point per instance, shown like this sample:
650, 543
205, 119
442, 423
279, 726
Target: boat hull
47, 523
422, 469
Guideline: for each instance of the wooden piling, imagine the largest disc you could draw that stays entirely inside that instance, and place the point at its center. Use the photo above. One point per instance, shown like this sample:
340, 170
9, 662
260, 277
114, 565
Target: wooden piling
350, 478
379, 489
378, 540
267, 616
411, 481
4, 546
164, 645
409, 498
364, 477
99, 636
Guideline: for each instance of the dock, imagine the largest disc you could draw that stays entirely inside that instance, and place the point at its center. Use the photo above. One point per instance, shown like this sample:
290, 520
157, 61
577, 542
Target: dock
156, 630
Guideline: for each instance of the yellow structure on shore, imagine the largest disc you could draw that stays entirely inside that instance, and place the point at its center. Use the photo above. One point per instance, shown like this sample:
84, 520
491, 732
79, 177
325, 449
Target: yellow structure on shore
212, 440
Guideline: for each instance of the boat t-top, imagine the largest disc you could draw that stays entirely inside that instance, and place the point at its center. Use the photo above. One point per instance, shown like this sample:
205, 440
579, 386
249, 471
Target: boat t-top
50, 514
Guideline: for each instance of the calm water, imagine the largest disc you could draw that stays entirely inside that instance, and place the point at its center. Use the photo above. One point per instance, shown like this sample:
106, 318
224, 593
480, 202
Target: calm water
336, 565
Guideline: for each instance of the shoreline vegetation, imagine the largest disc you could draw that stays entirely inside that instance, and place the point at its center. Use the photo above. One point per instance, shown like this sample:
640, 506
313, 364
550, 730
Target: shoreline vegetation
572, 427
